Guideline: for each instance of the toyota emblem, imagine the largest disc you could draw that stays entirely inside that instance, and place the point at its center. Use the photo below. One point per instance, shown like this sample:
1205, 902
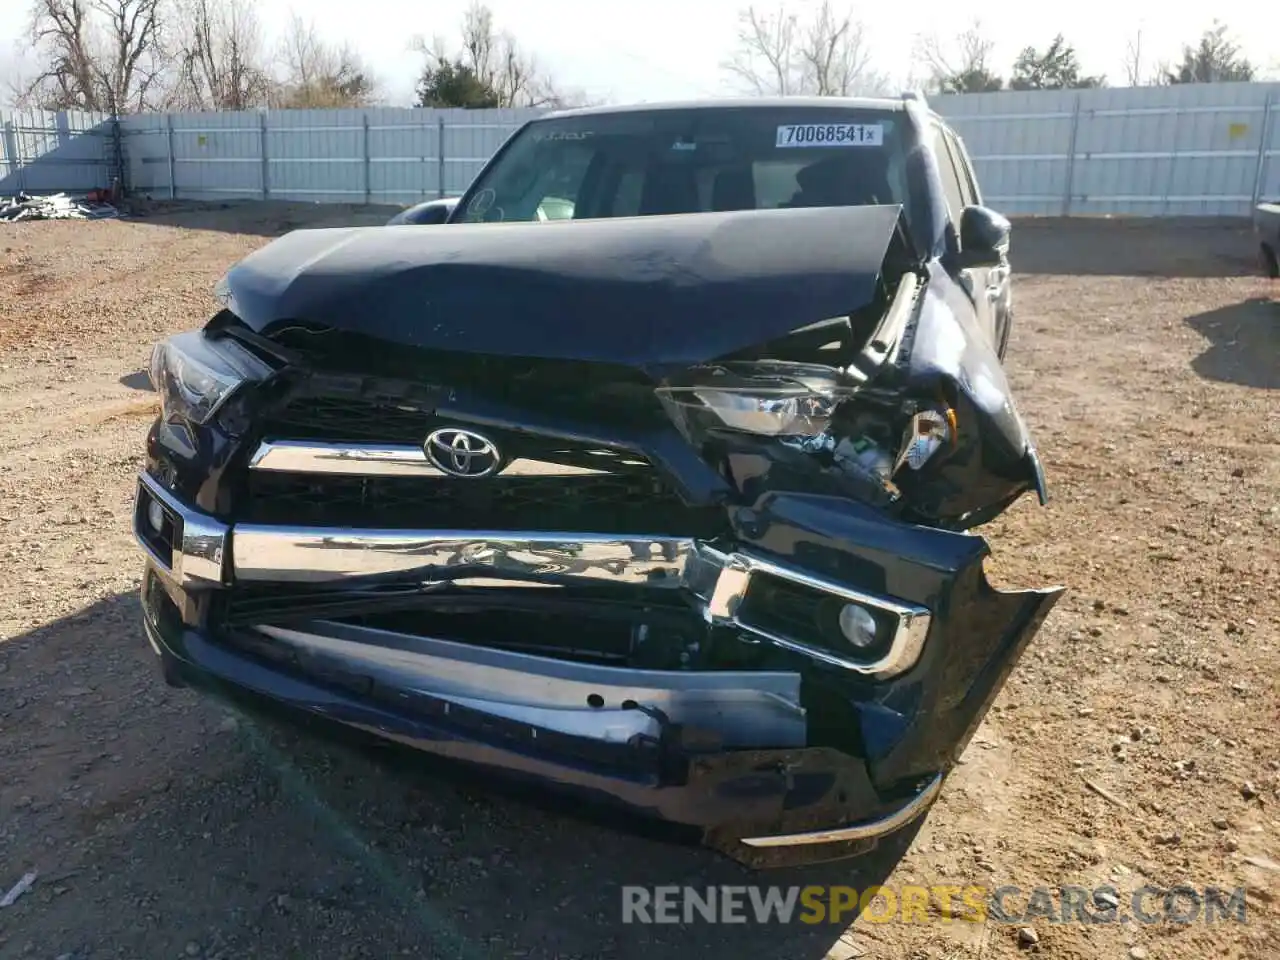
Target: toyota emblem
461, 453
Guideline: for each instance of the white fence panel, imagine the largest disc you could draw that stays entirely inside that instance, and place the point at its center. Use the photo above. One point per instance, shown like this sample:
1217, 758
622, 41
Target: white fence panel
1020, 144
1194, 149
45, 152
380, 155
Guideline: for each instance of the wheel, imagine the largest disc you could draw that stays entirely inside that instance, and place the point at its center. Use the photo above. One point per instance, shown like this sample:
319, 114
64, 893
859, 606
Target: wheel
1270, 264
171, 672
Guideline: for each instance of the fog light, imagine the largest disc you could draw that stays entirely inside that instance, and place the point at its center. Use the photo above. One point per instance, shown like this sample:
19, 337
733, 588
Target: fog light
155, 516
858, 626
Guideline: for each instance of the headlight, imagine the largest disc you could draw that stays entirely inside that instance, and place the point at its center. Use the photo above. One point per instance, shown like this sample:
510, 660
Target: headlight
195, 375
767, 398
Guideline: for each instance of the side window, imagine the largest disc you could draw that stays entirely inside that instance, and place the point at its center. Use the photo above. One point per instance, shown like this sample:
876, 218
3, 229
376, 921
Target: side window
626, 199
968, 182
535, 184
950, 179
775, 183
560, 190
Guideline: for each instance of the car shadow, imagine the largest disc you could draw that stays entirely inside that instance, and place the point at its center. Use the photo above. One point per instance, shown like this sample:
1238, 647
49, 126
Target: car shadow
141, 380
1244, 343
249, 833
1201, 247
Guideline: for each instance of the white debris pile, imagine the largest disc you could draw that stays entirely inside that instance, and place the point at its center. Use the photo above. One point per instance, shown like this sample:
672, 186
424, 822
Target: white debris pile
59, 206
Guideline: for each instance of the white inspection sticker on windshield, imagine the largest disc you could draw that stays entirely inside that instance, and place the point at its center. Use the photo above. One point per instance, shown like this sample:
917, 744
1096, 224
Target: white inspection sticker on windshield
831, 135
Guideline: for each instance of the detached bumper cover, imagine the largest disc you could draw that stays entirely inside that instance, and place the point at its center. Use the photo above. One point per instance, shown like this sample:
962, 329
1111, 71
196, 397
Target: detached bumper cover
746, 803
911, 712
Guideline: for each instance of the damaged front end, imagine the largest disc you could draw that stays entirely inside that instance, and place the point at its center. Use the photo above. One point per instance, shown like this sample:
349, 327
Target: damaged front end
697, 560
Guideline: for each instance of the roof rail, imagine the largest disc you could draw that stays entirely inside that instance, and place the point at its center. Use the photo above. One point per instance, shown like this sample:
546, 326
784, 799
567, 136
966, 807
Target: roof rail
917, 95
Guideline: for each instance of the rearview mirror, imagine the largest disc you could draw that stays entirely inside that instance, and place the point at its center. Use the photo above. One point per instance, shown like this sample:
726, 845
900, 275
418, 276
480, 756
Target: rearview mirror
984, 238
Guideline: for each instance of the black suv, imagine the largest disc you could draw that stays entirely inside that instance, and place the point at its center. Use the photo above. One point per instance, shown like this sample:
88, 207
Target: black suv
647, 475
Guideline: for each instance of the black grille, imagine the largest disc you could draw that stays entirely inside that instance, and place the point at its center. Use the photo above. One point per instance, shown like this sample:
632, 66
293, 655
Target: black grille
342, 418
625, 494
394, 411
636, 502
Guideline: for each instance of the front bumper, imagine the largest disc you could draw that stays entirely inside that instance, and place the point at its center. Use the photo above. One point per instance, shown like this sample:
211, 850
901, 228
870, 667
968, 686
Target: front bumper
761, 807
199, 552
693, 755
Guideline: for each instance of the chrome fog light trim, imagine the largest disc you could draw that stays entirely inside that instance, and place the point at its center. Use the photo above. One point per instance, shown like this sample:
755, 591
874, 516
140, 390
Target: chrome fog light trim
200, 541
722, 580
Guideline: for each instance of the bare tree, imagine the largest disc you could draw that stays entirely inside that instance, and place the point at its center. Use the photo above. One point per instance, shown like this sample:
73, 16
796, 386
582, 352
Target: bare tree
319, 74
220, 58
96, 54
836, 55
960, 67
497, 61
1133, 60
766, 59
780, 54
501, 69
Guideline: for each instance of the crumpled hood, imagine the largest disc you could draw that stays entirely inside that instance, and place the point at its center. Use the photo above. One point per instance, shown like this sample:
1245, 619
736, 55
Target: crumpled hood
645, 291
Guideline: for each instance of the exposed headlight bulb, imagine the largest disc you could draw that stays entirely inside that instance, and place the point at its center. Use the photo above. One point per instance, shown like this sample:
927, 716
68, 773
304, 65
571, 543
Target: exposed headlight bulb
925, 434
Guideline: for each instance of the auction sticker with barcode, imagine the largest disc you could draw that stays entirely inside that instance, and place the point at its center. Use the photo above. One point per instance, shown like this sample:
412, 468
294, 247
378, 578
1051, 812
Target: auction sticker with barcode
831, 135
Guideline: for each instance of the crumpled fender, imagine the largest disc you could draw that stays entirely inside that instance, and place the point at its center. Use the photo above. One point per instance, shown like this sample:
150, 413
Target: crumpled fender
994, 460
920, 722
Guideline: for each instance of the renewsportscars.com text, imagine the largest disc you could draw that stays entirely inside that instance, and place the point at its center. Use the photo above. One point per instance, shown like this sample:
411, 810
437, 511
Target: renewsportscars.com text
931, 904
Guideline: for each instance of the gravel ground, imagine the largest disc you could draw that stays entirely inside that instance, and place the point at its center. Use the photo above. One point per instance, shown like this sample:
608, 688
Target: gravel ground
162, 824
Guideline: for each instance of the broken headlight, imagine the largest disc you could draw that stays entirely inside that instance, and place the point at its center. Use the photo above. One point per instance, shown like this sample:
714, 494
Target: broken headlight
194, 375
766, 398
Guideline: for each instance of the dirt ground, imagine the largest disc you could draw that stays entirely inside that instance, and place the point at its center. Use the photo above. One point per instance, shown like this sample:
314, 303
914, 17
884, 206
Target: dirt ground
1146, 359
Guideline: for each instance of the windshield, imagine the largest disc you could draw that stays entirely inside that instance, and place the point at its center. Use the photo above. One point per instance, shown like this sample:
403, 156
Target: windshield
691, 161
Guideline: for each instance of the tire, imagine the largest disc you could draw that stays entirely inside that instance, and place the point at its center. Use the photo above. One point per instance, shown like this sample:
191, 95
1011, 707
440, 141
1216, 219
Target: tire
1270, 264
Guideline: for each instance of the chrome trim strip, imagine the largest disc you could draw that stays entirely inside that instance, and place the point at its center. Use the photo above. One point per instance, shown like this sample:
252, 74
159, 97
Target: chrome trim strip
746, 708
380, 460
866, 830
202, 540
324, 555
720, 580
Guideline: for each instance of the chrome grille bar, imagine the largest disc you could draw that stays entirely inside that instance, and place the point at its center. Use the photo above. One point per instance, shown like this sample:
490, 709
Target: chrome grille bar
208, 553
325, 555
380, 460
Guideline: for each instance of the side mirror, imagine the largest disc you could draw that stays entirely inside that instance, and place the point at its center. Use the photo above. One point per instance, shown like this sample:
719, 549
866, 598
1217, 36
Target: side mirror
984, 238
438, 214
425, 214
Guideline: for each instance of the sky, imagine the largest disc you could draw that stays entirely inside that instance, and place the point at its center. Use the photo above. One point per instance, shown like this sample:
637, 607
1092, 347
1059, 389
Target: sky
635, 50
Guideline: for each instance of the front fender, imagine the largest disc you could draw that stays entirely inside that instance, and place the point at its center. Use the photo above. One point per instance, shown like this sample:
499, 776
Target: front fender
918, 723
993, 460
